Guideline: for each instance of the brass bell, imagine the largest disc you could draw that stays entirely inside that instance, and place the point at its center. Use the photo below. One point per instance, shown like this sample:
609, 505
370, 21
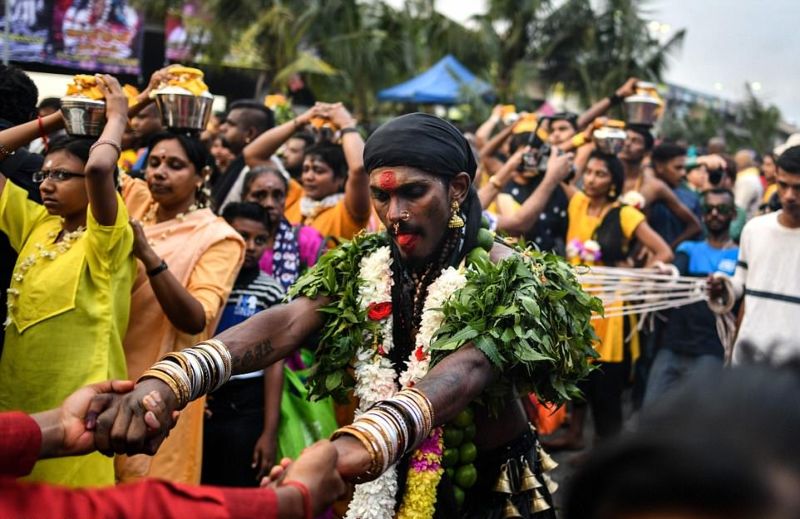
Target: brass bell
539, 503
503, 484
546, 462
510, 511
529, 480
551, 485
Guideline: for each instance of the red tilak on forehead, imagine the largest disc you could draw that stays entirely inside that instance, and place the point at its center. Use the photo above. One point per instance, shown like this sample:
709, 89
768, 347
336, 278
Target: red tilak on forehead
387, 180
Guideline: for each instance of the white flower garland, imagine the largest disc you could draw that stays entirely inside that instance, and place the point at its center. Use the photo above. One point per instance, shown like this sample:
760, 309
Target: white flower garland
375, 376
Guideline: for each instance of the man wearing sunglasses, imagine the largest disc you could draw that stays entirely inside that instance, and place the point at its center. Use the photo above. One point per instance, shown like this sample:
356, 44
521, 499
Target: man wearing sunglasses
690, 340
766, 275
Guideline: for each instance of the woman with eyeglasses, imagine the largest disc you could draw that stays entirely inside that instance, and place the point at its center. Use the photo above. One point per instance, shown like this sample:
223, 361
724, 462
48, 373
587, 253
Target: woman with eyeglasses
69, 298
291, 249
188, 261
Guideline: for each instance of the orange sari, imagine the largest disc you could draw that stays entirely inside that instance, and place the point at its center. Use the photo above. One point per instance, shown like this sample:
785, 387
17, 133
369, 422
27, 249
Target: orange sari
204, 253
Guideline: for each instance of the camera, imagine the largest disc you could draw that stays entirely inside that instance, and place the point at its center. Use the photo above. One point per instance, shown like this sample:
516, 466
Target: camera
715, 176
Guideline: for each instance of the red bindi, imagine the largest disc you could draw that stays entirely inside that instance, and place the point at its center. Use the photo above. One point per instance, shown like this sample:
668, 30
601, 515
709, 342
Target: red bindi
387, 181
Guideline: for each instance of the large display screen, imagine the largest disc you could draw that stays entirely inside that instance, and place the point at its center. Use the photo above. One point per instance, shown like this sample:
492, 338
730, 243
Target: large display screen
92, 35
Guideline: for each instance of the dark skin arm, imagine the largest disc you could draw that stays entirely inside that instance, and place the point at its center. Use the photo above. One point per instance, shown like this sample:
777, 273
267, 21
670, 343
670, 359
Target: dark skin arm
487, 157
21, 134
102, 161
450, 386
602, 106
264, 450
265, 145
181, 308
681, 211
356, 191
528, 214
484, 131
260, 341
488, 192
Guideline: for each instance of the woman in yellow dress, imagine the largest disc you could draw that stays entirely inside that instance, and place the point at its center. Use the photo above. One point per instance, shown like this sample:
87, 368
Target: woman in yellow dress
601, 231
69, 299
189, 259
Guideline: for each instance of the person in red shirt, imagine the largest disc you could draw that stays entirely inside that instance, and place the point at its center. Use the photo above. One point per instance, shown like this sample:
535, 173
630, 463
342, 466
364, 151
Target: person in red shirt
308, 485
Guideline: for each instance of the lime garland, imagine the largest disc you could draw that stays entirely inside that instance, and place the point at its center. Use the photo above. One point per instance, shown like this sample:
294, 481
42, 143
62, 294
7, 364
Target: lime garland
527, 313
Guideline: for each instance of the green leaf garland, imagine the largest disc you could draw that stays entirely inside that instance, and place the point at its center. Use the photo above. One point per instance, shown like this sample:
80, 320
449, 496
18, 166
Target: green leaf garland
527, 313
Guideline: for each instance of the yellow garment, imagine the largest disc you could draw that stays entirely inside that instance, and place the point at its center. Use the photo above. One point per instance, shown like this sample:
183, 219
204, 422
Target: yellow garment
333, 222
126, 160
582, 227
768, 192
68, 321
204, 254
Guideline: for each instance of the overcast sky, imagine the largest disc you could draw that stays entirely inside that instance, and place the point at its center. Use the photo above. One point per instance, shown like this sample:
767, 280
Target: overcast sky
728, 43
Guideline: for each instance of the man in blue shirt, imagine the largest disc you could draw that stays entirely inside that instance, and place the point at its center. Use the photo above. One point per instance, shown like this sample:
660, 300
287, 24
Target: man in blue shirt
690, 338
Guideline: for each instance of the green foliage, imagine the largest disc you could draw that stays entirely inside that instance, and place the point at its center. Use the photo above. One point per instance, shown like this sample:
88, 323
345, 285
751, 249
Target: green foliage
336, 275
527, 314
350, 49
530, 317
754, 125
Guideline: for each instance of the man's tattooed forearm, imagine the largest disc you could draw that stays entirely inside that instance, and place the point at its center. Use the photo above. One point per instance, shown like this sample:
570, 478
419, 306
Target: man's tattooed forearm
254, 358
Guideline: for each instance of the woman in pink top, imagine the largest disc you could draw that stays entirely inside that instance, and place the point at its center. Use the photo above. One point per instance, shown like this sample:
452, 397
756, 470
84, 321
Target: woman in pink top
293, 249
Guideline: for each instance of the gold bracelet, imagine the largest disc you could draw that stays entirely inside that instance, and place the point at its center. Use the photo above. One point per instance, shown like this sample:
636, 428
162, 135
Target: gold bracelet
174, 372
373, 470
163, 377
496, 183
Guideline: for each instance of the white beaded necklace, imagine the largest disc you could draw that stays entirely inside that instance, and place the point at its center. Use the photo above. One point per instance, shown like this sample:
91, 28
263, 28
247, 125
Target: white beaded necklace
42, 251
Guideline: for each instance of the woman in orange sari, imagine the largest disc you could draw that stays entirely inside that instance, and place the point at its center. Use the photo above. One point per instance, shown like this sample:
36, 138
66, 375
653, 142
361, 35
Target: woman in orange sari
189, 259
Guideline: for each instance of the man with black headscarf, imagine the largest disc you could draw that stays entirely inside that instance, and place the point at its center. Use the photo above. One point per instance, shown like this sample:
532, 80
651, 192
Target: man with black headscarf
460, 323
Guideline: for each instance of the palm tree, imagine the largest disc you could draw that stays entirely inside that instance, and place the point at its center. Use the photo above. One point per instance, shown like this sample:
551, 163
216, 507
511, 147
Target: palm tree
619, 45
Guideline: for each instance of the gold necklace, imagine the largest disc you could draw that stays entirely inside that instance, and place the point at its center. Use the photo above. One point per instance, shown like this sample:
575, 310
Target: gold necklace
42, 251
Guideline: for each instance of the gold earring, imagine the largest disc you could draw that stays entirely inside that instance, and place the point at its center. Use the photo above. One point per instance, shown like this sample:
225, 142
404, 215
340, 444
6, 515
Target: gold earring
612, 193
456, 222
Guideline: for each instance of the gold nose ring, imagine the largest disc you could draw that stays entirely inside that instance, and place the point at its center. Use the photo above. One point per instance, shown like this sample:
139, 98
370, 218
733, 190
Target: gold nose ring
405, 216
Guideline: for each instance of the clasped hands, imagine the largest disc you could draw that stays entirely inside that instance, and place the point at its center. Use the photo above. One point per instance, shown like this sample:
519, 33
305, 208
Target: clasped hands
118, 417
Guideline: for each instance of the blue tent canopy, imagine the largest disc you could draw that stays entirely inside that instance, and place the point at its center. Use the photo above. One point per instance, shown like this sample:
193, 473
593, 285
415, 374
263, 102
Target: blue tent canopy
444, 83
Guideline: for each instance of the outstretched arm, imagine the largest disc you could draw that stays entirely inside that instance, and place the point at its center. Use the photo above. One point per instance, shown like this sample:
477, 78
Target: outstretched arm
692, 224
602, 106
261, 340
265, 145
450, 386
17, 136
526, 217
356, 191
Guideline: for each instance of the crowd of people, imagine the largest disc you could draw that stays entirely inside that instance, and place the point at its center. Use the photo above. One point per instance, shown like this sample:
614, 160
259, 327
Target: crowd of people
216, 268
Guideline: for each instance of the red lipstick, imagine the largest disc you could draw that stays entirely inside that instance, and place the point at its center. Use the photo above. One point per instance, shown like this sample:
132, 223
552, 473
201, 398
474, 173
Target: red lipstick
407, 241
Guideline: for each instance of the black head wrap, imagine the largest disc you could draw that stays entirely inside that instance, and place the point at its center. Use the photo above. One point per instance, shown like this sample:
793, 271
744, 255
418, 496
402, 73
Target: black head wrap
433, 145
420, 141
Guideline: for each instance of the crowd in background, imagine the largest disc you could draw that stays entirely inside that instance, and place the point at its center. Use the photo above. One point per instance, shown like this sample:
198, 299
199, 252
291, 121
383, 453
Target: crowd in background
179, 236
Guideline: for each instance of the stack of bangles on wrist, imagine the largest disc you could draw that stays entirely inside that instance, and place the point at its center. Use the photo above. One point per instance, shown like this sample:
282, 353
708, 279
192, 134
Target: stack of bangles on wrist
193, 372
390, 428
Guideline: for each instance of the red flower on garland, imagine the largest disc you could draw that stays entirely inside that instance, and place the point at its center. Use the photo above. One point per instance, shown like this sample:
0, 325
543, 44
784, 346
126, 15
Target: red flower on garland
419, 354
378, 311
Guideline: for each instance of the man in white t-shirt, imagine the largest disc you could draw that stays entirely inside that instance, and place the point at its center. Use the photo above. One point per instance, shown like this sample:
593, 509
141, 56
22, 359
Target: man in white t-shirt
766, 274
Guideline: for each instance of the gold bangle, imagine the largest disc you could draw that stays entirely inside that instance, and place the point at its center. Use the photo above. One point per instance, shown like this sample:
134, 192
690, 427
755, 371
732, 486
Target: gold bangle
174, 372
163, 377
368, 445
496, 183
